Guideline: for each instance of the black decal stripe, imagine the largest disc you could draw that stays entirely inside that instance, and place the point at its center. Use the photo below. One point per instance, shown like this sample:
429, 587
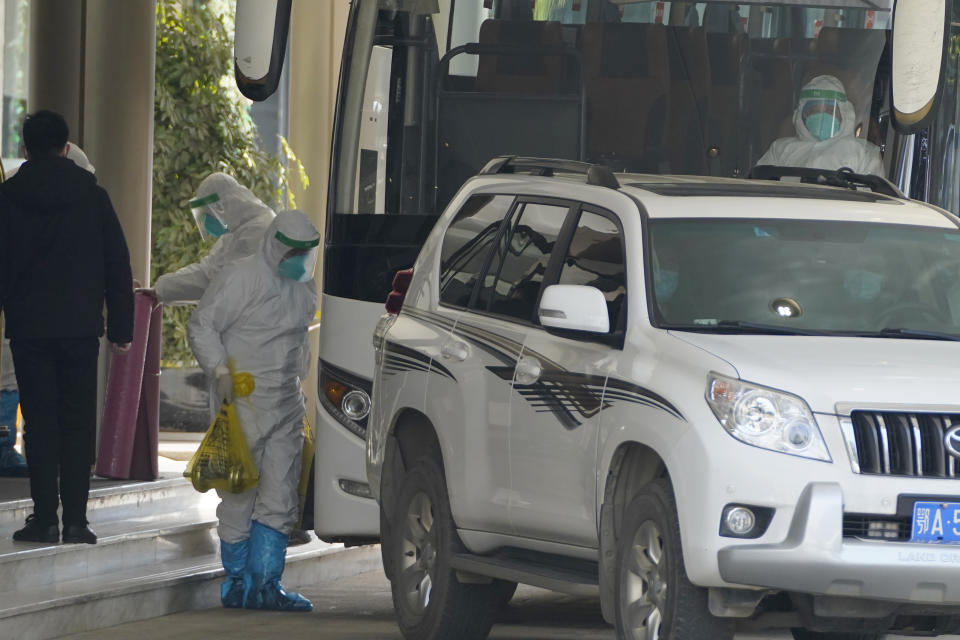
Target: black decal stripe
412, 360
442, 370
400, 366
505, 352
620, 390
558, 389
430, 317
413, 364
413, 354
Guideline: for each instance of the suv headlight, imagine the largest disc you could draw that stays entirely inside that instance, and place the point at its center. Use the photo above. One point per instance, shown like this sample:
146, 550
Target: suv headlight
766, 418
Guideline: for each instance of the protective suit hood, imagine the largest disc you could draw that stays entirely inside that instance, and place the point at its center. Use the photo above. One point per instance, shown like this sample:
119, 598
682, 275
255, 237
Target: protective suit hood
847, 112
239, 204
292, 225
79, 158
844, 149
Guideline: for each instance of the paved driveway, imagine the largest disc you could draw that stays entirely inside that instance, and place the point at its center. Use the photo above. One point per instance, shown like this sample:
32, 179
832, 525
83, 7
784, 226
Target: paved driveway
359, 608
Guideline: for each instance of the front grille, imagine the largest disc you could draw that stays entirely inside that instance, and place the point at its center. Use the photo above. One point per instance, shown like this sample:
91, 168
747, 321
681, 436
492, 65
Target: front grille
871, 527
901, 444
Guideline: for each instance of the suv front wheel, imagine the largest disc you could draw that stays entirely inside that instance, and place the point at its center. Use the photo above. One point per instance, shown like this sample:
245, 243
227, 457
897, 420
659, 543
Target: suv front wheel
655, 599
429, 600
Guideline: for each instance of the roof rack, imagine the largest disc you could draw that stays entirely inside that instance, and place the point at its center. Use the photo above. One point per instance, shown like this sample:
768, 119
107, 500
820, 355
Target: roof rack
844, 178
597, 174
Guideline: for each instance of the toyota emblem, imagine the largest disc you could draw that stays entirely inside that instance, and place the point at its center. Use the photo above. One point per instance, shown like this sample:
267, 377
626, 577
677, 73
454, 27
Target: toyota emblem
951, 440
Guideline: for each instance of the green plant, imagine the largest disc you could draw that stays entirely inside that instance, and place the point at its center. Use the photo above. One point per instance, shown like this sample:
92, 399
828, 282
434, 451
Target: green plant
201, 125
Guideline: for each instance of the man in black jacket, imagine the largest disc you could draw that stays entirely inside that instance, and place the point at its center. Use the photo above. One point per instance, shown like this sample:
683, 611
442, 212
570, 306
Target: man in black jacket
63, 255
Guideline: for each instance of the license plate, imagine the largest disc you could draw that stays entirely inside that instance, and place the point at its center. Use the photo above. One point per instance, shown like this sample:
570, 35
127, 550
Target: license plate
937, 522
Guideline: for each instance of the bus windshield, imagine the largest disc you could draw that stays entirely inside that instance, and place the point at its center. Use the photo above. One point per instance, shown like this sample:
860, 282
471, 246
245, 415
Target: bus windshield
660, 87
433, 89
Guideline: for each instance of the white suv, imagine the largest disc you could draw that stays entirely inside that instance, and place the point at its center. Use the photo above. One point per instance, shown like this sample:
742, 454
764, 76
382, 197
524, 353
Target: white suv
722, 404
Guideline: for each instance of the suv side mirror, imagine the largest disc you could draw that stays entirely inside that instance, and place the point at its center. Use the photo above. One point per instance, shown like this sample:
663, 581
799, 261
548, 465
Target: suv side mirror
574, 307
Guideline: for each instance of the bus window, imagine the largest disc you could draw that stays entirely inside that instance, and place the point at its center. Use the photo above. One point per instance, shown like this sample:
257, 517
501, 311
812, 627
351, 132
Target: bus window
372, 157
433, 89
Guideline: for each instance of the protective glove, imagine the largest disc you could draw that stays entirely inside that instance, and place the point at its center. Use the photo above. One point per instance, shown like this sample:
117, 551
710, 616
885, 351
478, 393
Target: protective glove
224, 385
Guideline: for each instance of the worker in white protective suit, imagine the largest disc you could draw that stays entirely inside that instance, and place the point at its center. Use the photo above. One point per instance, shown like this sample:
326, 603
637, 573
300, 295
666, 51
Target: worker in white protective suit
826, 133
229, 213
256, 314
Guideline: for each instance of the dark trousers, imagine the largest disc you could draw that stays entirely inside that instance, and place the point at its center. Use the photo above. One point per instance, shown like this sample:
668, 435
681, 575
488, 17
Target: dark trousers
58, 396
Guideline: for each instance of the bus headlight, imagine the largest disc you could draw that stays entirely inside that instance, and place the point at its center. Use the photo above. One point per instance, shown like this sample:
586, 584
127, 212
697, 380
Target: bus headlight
345, 397
765, 417
356, 404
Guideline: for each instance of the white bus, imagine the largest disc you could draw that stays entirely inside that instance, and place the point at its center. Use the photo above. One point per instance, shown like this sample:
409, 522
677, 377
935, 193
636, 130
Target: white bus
431, 90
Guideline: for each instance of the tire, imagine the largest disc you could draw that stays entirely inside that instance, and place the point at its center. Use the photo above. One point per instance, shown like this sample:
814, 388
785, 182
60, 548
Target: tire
803, 634
654, 598
504, 593
385, 557
430, 603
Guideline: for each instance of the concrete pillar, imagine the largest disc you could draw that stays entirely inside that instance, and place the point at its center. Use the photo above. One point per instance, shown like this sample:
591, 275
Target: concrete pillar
56, 61
317, 30
118, 113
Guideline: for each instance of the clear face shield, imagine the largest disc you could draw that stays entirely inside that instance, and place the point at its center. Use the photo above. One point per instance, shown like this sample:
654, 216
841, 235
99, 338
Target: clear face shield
208, 213
299, 257
821, 112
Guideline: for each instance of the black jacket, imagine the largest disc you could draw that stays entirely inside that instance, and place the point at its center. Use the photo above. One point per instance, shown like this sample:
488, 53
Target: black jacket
62, 253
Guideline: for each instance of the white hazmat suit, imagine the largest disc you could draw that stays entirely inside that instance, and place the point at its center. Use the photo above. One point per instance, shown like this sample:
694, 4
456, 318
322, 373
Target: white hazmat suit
246, 219
259, 319
841, 149
256, 315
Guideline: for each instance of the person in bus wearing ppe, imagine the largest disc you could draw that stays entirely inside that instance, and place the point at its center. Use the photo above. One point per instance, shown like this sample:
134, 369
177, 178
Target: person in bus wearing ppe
229, 213
256, 315
826, 133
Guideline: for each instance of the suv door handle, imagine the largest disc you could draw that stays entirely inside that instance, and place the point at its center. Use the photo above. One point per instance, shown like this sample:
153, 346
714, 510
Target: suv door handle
455, 350
528, 370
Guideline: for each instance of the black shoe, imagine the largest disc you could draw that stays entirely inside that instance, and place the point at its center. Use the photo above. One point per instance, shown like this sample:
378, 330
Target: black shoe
36, 532
79, 533
298, 537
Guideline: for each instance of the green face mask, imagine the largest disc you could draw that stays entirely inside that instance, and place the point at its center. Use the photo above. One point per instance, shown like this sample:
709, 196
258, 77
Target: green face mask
823, 126
213, 226
294, 268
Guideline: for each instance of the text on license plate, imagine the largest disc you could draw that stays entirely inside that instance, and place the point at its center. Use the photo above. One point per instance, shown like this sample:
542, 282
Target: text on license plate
936, 522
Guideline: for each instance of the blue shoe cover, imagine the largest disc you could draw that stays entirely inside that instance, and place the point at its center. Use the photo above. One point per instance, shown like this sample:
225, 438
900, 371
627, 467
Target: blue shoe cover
8, 417
12, 464
262, 589
234, 558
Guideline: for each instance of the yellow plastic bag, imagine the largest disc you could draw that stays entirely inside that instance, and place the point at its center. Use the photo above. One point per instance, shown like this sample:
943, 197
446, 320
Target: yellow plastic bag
223, 460
306, 467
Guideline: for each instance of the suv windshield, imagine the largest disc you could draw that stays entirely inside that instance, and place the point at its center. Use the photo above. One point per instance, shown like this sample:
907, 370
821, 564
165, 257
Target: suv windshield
797, 276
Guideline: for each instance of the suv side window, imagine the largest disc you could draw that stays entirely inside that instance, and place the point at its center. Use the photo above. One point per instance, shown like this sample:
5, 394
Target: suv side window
596, 258
511, 286
467, 244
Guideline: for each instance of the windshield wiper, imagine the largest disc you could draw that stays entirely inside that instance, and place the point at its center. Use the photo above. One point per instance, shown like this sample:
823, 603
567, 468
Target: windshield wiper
918, 334
844, 178
742, 326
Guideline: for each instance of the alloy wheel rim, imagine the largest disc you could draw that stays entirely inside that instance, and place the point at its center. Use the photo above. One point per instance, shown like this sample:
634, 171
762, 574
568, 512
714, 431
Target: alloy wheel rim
419, 554
643, 584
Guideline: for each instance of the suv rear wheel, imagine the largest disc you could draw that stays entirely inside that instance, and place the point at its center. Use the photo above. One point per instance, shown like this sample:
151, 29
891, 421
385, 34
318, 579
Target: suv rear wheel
429, 600
654, 598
